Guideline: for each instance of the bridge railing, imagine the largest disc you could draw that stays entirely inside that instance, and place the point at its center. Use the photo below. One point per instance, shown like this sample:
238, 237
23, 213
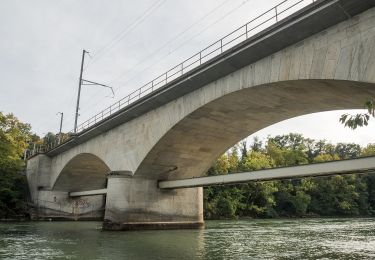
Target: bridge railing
259, 23
237, 36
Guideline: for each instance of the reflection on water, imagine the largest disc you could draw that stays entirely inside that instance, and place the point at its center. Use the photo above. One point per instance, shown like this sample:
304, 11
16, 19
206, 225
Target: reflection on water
245, 239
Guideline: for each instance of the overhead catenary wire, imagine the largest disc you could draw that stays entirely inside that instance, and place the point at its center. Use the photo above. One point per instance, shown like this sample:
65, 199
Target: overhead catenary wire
103, 50
203, 31
173, 39
184, 43
178, 35
125, 32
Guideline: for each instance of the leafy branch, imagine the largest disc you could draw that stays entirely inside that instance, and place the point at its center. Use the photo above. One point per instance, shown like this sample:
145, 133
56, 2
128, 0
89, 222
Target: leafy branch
361, 119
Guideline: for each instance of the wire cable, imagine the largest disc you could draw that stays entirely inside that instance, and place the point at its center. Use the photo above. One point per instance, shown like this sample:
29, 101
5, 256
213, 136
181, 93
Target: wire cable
125, 32
147, 58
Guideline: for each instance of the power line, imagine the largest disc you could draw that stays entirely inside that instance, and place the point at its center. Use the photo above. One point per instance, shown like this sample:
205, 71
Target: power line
185, 42
125, 32
167, 43
173, 39
108, 46
177, 36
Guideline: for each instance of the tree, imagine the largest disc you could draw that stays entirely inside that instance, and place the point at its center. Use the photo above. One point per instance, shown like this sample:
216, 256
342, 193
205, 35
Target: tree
360, 119
14, 138
348, 150
257, 145
346, 195
369, 150
326, 158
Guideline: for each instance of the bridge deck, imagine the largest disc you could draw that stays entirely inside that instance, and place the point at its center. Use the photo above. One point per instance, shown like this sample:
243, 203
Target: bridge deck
360, 165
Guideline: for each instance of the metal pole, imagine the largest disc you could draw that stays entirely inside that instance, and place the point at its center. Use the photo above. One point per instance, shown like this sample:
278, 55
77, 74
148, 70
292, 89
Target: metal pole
79, 91
61, 121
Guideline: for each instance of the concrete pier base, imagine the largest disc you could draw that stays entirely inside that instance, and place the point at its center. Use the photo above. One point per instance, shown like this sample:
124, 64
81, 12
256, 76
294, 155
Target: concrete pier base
138, 204
108, 225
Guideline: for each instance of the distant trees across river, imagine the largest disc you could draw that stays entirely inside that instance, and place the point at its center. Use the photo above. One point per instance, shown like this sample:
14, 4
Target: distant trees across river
339, 195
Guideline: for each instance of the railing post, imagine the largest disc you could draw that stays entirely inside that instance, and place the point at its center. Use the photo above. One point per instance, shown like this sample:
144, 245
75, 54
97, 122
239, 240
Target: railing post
276, 14
200, 58
246, 31
139, 94
221, 45
182, 68
166, 77
152, 85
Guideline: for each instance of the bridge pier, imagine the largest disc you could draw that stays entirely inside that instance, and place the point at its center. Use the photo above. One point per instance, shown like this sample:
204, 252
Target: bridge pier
135, 203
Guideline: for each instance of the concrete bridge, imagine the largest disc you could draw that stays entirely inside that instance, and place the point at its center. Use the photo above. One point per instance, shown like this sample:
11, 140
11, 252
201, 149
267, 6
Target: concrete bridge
320, 58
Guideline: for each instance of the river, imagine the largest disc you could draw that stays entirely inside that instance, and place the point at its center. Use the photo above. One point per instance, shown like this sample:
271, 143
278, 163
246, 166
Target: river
242, 239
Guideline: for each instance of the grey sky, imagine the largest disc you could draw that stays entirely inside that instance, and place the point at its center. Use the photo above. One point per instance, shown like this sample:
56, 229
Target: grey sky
41, 44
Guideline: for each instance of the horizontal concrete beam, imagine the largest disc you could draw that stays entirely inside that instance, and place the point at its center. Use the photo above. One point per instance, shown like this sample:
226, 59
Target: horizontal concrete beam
360, 165
87, 193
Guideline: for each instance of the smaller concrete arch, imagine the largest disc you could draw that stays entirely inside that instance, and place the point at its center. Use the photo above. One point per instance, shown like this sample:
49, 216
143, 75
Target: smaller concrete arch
83, 172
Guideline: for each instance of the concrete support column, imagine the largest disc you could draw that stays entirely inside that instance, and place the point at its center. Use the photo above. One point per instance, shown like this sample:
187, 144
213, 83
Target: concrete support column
136, 203
38, 173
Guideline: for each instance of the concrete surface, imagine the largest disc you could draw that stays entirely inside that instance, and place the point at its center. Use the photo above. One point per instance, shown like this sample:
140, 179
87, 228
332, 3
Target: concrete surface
176, 136
353, 166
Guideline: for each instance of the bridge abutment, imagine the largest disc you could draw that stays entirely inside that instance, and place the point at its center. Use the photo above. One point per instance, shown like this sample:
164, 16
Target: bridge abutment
47, 203
135, 203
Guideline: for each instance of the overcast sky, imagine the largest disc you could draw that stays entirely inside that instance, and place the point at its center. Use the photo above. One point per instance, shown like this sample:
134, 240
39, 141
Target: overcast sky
130, 43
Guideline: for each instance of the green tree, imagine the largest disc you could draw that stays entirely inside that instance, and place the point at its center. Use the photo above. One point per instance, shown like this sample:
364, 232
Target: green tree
346, 195
348, 150
369, 150
326, 157
360, 119
14, 138
257, 145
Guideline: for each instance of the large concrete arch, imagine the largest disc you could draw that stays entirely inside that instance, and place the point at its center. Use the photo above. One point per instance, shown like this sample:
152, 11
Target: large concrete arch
344, 52
83, 172
334, 69
188, 149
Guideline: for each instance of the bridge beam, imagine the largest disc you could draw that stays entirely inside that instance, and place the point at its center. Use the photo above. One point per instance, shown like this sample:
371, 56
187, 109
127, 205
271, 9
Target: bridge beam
360, 165
87, 193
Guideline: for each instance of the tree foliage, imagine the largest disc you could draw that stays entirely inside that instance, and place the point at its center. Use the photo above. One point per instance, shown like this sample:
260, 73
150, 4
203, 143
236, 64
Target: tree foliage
14, 138
346, 195
360, 119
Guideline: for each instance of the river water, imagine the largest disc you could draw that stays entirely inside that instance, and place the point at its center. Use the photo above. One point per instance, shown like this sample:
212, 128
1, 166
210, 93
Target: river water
243, 239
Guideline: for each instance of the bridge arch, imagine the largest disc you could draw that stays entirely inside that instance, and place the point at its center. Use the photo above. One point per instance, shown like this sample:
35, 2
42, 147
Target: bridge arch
189, 148
332, 69
84, 171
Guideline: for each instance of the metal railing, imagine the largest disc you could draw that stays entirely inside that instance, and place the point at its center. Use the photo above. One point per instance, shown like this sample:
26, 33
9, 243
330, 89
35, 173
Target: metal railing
259, 23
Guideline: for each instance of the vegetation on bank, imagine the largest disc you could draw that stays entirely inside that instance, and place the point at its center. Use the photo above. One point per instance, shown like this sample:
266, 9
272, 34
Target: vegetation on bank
14, 138
345, 195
